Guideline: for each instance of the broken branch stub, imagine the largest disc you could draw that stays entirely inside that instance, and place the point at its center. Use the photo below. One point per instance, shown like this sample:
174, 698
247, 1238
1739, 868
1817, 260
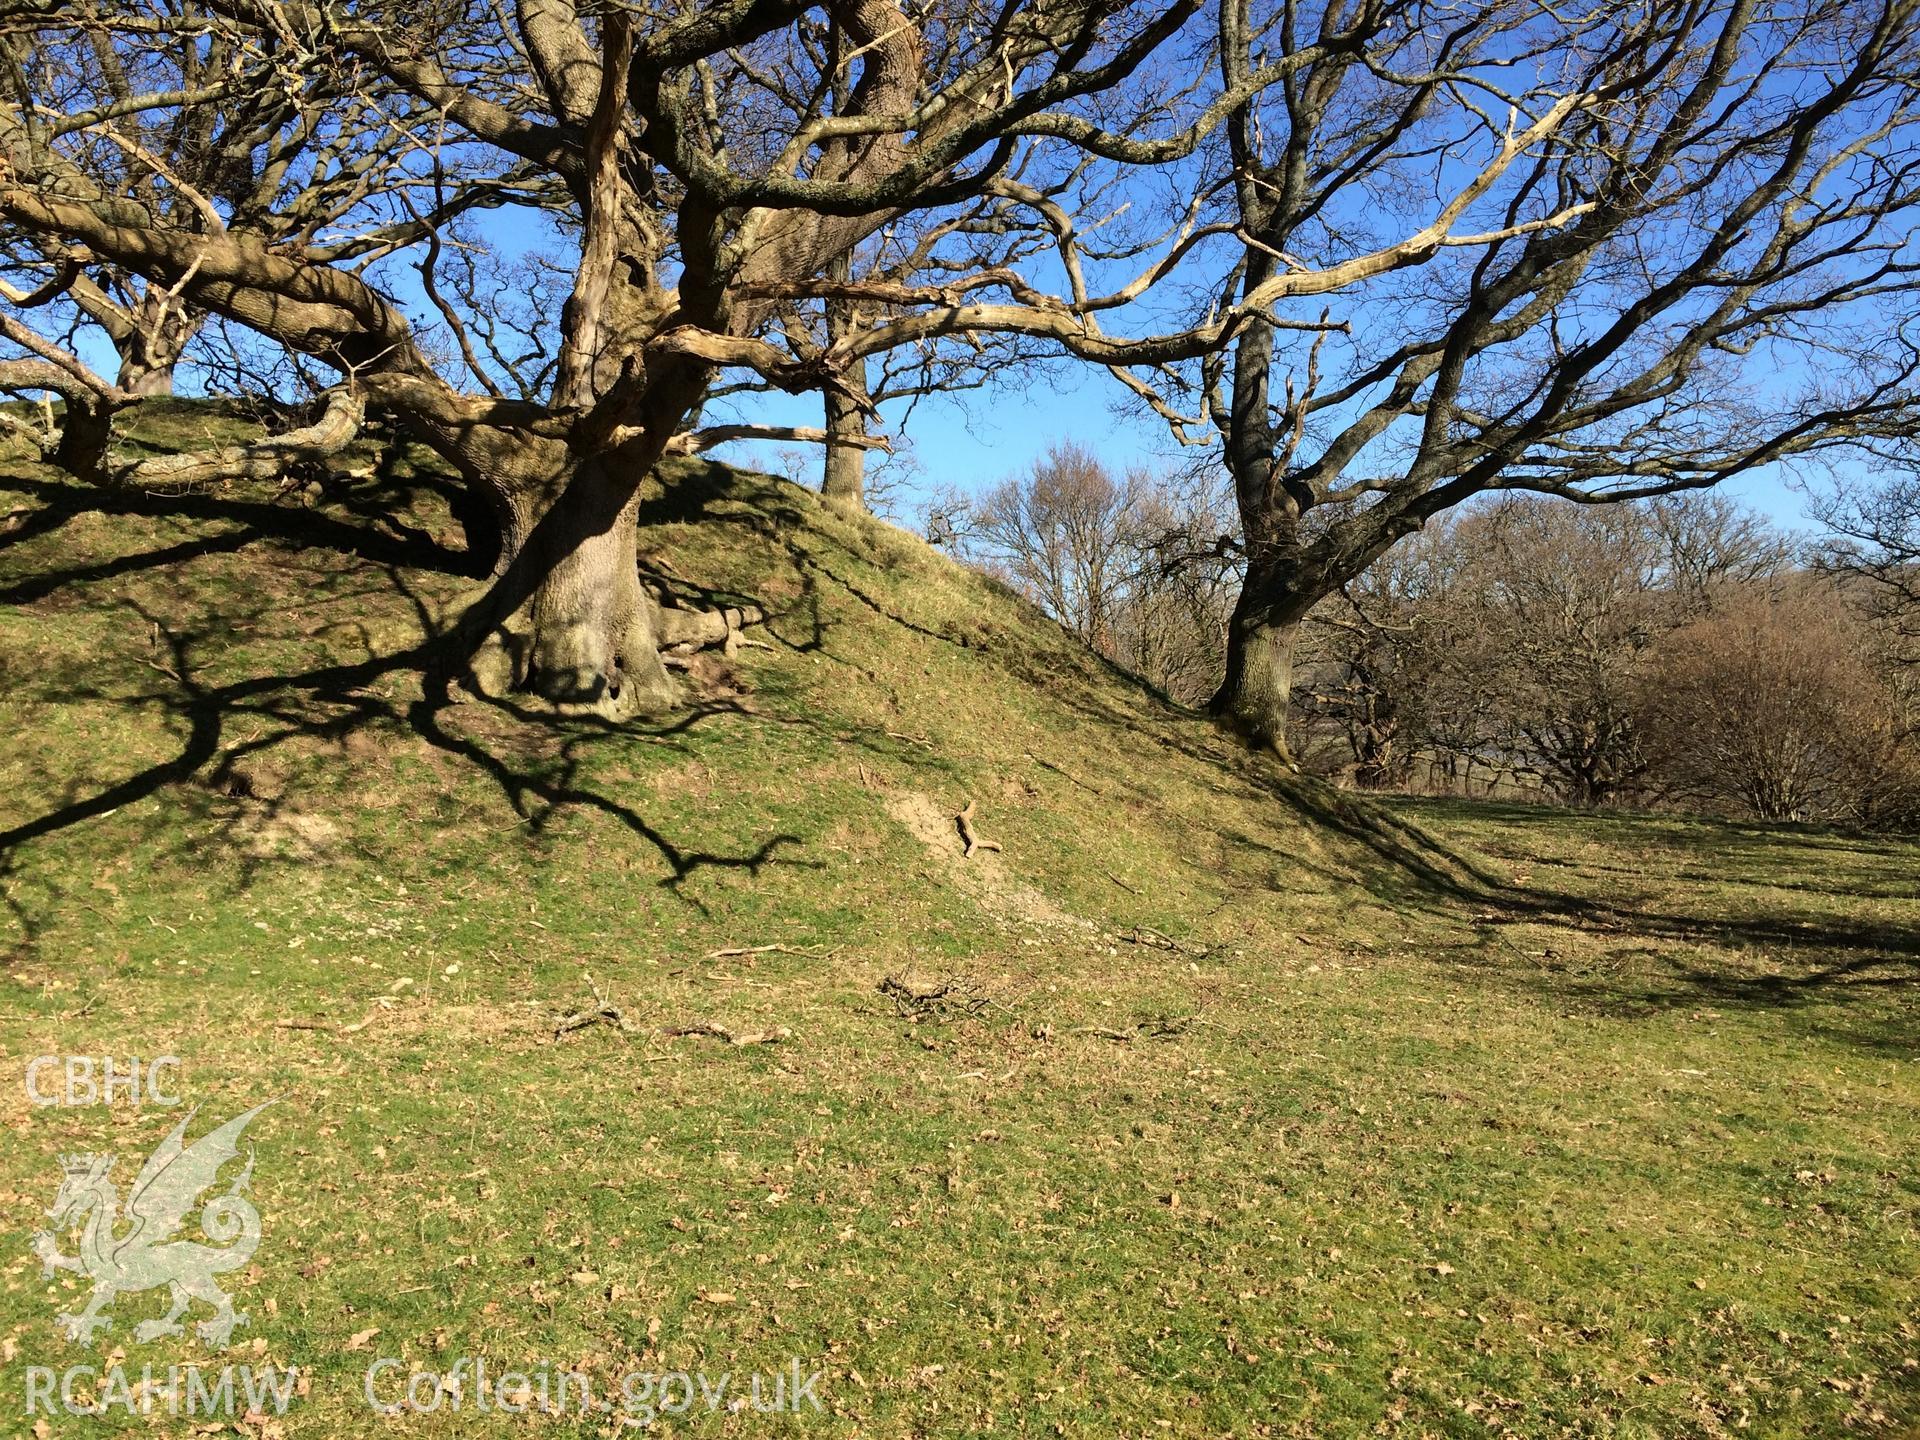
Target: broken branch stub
970, 838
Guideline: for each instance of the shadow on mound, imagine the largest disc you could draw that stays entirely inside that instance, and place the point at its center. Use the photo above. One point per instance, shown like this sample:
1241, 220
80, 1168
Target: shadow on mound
1703, 915
250, 724
230, 732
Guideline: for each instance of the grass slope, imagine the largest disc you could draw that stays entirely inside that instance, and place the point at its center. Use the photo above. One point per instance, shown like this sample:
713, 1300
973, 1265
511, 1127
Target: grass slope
1257, 1110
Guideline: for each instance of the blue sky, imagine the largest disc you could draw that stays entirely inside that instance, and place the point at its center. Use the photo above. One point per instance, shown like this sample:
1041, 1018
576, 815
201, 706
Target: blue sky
990, 434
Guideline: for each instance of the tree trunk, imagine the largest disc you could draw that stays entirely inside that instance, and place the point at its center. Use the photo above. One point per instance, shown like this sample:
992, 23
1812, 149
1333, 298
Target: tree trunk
146, 381
1265, 627
845, 482
1253, 697
161, 329
86, 433
1278, 590
567, 618
844, 485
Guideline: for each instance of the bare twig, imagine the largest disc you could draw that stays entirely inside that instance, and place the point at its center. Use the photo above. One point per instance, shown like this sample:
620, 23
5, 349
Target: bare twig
602, 1012
1157, 1028
1154, 940
580, 1020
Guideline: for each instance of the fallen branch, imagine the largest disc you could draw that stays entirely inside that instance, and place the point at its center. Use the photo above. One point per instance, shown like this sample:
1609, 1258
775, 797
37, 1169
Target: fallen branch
732, 1037
371, 1016
1158, 1028
942, 1002
1155, 940
698, 629
330, 1027
264, 459
580, 1020
968, 838
602, 1012
771, 950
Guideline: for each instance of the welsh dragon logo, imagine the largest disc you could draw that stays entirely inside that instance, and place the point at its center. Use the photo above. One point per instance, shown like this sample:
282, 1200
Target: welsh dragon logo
154, 1251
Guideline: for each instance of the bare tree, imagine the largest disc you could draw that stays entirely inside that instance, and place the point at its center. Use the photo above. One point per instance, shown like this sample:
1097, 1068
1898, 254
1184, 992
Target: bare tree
1665, 229
1398, 665
1170, 626
1135, 565
182, 119
1575, 599
1059, 533
1769, 707
695, 222
1873, 527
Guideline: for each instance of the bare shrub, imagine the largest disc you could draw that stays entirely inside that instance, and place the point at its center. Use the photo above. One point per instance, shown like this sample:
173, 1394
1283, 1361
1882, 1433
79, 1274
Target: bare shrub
1768, 707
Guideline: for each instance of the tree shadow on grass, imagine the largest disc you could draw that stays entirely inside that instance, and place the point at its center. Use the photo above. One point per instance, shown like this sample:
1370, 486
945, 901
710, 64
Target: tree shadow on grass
1695, 936
226, 731
368, 526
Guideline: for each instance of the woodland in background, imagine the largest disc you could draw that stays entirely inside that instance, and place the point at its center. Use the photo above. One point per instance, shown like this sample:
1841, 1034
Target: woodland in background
1679, 651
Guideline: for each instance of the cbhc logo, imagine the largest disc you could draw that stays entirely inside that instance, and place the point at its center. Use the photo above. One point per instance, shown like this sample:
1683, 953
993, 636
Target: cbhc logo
102, 1080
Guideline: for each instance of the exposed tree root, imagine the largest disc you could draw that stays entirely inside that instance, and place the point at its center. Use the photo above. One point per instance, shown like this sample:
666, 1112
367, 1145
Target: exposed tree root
491, 668
268, 458
683, 631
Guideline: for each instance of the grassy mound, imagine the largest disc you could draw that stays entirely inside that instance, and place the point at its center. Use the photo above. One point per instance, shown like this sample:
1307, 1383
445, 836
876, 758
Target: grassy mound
1210, 1102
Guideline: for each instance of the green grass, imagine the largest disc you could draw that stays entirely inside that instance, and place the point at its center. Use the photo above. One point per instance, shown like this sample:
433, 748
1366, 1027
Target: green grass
1427, 1119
